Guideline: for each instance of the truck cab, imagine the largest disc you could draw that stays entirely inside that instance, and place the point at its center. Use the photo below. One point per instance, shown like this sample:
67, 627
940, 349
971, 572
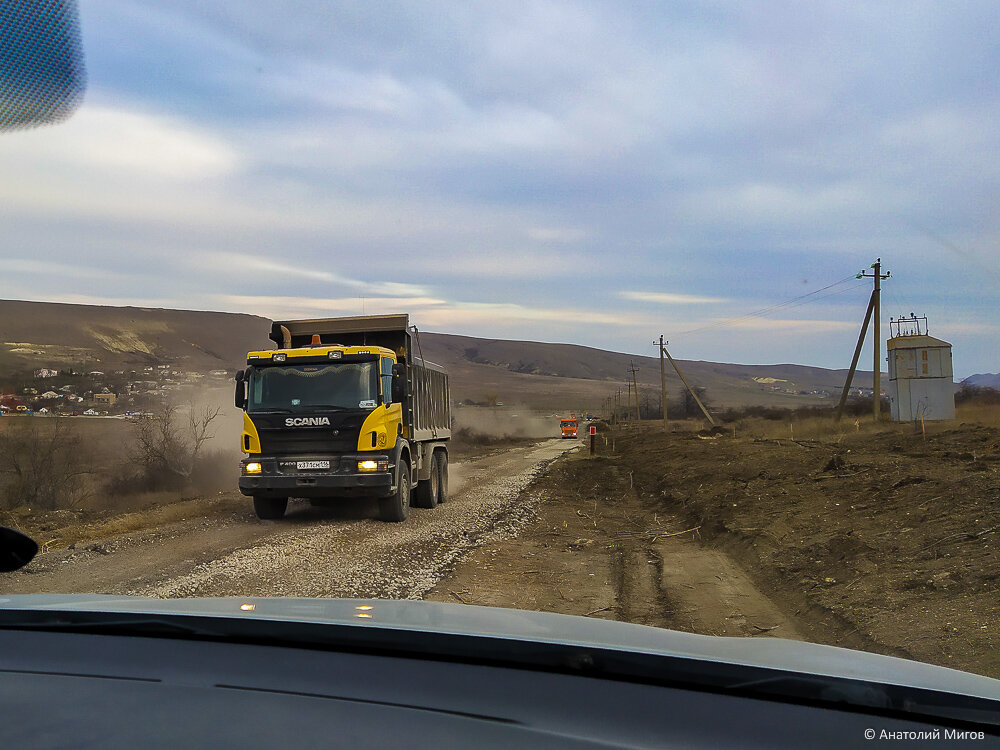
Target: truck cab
569, 427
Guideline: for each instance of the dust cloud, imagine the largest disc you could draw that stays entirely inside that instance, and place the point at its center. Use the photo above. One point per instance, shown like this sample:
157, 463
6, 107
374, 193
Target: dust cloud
218, 466
507, 422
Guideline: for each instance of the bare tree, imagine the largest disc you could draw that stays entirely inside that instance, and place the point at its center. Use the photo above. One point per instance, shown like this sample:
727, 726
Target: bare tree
168, 452
43, 465
691, 408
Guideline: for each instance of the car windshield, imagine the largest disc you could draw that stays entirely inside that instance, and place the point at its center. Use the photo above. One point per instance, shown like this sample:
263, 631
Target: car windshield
306, 387
751, 247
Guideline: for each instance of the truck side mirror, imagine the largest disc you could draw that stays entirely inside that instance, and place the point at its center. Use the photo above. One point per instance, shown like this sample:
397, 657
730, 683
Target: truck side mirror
241, 390
397, 370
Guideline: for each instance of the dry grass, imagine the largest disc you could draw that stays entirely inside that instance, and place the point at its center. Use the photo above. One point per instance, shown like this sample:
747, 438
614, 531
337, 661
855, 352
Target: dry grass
809, 428
824, 428
985, 414
63, 528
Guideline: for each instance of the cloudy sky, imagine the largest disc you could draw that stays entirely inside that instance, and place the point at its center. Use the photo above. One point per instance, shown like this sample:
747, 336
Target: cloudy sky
589, 173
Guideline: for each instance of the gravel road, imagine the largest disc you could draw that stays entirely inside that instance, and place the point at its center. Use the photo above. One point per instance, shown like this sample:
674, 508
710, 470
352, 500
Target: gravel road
330, 552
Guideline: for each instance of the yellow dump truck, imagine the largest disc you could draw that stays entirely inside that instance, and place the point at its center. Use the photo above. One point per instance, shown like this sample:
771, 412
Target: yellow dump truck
344, 407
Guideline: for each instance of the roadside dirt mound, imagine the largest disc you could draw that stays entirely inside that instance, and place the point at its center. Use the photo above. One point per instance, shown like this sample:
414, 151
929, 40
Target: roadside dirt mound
890, 534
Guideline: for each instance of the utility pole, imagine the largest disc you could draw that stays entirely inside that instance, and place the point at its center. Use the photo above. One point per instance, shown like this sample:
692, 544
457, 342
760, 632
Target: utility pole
854, 362
628, 388
688, 386
663, 388
633, 369
878, 276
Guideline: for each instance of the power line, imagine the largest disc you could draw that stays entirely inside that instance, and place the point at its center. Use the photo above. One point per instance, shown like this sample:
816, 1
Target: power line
794, 302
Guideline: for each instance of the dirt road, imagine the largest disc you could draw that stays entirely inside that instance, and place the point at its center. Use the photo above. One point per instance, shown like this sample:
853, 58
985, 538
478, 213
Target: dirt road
594, 548
335, 552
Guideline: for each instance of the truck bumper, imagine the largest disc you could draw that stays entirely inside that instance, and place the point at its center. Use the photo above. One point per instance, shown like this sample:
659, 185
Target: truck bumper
279, 479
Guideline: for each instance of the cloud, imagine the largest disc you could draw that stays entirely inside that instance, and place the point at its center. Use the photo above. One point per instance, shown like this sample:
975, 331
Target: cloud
248, 266
504, 264
279, 307
509, 167
176, 303
119, 141
504, 311
556, 234
26, 267
432, 311
666, 298
775, 325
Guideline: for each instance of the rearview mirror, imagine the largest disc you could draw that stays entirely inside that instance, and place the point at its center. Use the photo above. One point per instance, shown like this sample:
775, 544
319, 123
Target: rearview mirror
241, 390
16, 549
397, 370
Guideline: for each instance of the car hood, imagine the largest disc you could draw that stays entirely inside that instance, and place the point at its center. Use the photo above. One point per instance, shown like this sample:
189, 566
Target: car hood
537, 627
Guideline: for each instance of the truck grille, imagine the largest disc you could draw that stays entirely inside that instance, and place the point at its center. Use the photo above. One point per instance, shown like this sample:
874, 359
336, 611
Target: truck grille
300, 442
276, 439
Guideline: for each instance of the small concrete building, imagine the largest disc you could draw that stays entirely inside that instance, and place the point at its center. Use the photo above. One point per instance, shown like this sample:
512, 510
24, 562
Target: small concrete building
920, 373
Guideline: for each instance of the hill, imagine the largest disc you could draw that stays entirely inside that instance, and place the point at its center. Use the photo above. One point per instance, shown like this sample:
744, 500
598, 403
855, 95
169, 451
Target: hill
984, 380
58, 336
40, 334
566, 374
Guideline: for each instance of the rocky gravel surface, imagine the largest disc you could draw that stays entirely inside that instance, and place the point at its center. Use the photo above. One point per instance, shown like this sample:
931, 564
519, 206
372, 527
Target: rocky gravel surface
337, 557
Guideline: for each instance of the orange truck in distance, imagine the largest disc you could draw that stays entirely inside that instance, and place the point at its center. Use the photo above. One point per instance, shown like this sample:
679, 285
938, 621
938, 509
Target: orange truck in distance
568, 427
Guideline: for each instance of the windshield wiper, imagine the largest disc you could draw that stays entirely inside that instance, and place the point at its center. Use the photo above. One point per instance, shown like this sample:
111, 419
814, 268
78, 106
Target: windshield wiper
269, 411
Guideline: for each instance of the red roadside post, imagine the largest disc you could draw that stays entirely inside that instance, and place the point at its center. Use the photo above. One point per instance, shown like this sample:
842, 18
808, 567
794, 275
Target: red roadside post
593, 436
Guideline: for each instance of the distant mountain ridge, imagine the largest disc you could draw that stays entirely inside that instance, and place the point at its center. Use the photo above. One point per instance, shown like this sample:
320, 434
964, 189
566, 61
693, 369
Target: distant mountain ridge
57, 335
984, 380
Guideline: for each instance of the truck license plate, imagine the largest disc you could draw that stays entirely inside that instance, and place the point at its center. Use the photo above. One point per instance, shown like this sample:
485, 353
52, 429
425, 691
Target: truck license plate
312, 465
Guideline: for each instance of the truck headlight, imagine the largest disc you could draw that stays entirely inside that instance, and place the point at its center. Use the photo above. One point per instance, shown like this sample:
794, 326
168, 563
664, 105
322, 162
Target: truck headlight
381, 464
252, 467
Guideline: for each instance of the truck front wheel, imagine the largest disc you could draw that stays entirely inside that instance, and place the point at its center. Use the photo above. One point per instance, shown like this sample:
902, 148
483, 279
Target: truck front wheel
270, 508
396, 507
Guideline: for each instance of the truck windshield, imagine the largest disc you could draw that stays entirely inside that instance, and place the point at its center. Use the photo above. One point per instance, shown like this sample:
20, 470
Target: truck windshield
343, 385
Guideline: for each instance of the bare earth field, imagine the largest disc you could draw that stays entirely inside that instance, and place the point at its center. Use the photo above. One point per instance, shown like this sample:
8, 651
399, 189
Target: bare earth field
884, 542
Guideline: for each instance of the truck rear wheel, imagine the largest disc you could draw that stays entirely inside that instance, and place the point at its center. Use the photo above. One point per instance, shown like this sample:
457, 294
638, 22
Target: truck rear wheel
396, 507
428, 491
442, 476
270, 508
